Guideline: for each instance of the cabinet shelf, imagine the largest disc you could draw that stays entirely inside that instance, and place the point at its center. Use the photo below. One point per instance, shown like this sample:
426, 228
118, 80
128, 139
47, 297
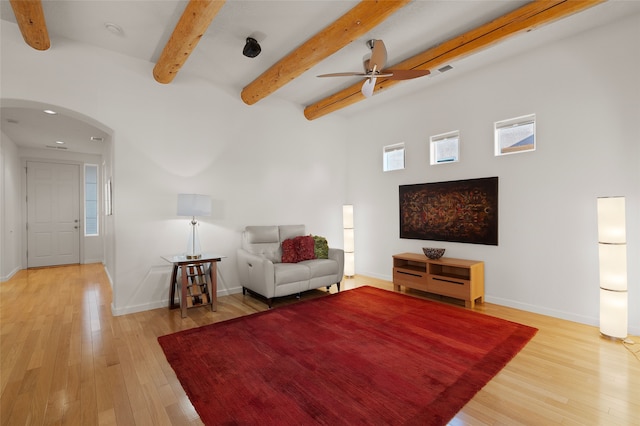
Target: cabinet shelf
197, 285
457, 278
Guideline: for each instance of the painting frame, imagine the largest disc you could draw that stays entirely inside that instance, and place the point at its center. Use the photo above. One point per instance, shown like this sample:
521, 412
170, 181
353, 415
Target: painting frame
464, 211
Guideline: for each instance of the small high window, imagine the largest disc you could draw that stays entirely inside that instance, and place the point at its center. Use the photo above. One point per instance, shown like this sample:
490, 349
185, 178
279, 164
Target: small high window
515, 135
393, 157
90, 199
445, 148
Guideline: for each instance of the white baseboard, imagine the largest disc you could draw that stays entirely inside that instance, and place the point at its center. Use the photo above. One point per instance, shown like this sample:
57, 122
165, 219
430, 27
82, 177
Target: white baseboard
11, 274
542, 310
163, 303
633, 330
106, 271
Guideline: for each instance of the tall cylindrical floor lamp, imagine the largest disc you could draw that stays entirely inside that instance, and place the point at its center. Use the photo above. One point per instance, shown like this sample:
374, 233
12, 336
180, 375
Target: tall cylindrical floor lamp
612, 254
349, 242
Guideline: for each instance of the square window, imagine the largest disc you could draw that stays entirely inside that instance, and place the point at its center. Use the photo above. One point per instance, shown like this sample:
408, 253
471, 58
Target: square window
515, 135
393, 157
445, 148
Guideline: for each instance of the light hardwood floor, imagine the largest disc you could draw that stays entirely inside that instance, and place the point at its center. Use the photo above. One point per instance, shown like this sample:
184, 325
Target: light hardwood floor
66, 360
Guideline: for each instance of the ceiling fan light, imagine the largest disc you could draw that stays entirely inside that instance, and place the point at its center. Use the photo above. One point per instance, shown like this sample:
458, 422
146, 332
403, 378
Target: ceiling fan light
368, 86
251, 48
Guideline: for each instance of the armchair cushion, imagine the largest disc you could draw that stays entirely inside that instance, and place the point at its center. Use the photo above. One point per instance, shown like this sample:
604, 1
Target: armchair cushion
290, 231
289, 251
287, 273
321, 247
305, 248
297, 249
321, 267
262, 234
263, 241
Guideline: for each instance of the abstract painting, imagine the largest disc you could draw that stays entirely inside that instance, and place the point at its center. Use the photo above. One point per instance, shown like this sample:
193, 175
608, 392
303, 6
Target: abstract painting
459, 211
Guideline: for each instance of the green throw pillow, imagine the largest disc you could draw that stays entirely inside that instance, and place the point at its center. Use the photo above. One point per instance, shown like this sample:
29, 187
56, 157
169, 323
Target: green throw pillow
321, 247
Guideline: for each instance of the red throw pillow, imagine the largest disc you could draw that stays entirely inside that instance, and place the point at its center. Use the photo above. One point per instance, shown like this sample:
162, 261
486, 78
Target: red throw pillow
306, 248
289, 252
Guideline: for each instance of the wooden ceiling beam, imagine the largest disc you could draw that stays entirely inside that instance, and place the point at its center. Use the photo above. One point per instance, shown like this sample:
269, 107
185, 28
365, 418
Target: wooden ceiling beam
196, 18
30, 19
356, 22
526, 18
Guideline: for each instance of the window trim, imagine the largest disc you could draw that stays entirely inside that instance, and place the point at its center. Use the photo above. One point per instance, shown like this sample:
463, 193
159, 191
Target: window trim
391, 148
435, 140
498, 126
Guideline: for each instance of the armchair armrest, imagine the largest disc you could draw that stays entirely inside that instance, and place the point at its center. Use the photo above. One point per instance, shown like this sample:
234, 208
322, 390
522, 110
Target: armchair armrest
256, 273
338, 255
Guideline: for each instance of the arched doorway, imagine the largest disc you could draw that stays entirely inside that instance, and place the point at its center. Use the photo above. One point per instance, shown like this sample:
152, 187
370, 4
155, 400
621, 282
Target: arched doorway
58, 144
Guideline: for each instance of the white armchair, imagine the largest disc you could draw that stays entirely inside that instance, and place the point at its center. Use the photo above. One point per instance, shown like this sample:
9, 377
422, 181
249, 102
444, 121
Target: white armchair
261, 270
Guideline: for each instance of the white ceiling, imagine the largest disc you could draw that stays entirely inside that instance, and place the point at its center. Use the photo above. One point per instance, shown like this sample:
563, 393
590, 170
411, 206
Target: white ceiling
280, 27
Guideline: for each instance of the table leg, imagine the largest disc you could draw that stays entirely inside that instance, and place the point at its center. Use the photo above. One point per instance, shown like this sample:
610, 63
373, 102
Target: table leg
183, 292
172, 287
213, 285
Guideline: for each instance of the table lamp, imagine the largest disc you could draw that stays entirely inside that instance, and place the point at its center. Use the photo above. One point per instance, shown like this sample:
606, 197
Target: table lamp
194, 205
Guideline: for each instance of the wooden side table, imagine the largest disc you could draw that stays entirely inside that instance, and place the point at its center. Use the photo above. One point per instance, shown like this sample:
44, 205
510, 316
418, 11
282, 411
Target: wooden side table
198, 287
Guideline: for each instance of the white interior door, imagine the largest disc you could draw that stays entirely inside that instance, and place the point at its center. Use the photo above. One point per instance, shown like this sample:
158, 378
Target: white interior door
53, 214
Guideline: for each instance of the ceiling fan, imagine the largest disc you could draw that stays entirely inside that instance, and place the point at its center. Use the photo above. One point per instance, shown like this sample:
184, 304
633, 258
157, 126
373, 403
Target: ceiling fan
374, 68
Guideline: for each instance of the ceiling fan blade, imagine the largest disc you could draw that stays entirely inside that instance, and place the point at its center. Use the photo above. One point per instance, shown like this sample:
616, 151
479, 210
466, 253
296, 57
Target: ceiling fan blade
368, 86
406, 74
344, 74
365, 64
378, 56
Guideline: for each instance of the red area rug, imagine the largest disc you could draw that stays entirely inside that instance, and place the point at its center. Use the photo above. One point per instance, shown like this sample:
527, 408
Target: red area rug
359, 357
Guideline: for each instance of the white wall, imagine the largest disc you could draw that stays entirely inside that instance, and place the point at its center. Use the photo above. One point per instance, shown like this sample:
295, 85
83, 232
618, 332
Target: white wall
586, 92
10, 212
264, 164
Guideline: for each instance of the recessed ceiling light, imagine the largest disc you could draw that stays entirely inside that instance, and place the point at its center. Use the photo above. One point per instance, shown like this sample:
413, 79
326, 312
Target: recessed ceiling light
114, 28
49, 111
60, 142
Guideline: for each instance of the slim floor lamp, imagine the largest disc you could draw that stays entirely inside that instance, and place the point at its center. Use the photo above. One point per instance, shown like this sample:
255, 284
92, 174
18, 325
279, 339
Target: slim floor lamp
349, 243
194, 205
612, 254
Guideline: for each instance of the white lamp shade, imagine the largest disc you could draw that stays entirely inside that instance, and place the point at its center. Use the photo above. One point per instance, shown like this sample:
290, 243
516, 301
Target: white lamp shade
613, 313
611, 220
347, 216
613, 266
194, 205
612, 254
349, 264
349, 242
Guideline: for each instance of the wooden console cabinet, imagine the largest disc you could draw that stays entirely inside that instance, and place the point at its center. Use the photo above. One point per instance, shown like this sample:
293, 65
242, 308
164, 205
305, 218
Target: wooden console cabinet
457, 278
